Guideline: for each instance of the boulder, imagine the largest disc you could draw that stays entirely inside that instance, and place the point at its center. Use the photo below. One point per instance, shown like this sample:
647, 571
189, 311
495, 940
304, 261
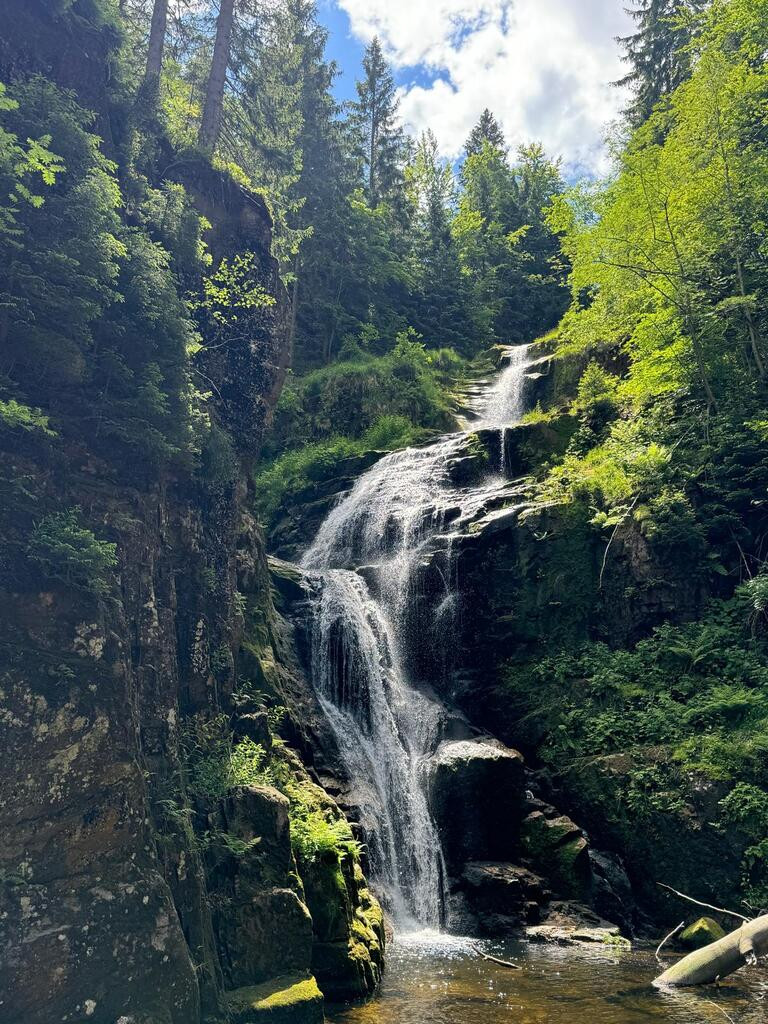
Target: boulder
348, 927
289, 999
495, 898
475, 792
568, 923
701, 933
557, 847
612, 895
263, 932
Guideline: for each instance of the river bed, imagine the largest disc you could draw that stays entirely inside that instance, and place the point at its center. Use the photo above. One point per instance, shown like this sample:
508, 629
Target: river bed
435, 979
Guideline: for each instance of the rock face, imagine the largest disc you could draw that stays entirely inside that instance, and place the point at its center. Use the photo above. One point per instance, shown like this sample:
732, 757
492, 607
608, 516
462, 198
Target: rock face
126, 894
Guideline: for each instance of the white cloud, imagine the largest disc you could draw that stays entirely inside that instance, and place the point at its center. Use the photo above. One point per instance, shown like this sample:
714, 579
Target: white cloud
544, 67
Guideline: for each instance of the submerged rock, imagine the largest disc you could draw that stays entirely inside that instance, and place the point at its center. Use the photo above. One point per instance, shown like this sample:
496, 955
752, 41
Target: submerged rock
570, 923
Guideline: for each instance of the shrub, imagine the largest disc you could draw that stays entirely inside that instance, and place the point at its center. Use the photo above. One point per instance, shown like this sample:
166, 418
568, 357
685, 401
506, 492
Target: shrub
68, 551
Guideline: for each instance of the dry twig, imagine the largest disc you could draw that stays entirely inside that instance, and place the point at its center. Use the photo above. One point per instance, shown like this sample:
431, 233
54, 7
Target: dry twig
708, 906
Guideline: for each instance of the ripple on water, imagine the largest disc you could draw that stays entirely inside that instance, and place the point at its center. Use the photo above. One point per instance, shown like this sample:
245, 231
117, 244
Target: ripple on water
433, 978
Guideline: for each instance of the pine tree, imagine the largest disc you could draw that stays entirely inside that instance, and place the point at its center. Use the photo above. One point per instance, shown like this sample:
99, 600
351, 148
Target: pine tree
380, 143
487, 129
655, 52
444, 310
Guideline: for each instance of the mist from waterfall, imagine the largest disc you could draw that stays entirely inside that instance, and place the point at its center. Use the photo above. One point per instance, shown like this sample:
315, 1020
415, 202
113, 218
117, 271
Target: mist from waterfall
362, 634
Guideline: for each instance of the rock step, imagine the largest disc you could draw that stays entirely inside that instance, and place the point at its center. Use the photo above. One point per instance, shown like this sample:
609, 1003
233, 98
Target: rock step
290, 999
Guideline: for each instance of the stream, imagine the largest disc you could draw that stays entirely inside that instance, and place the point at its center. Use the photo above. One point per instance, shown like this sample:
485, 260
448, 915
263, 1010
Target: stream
434, 979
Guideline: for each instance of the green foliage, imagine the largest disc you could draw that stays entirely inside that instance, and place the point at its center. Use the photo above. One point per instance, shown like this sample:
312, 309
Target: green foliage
233, 291
214, 763
596, 389
314, 836
66, 550
317, 828
17, 416
746, 808
695, 694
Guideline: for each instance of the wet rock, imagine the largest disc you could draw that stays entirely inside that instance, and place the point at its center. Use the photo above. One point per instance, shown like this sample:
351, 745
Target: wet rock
494, 898
475, 792
263, 927
569, 923
700, 934
557, 847
612, 895
289, 999
348, 927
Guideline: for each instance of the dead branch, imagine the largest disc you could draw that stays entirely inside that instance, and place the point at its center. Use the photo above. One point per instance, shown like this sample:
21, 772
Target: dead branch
495, 959
666, 939
708, 906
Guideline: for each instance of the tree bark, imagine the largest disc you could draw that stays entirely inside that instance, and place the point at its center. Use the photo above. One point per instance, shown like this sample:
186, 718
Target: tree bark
721, 958
156, 43
214, 96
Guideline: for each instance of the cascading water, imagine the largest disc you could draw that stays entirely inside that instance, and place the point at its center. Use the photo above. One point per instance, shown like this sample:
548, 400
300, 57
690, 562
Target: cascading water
362, 636
504, 403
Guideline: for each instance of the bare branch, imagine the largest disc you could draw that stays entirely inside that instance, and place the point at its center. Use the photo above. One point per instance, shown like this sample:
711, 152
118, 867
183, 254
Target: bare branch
708, 906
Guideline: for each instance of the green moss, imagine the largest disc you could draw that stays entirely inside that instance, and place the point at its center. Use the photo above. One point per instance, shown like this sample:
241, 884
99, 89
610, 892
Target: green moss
291, 999
701, 933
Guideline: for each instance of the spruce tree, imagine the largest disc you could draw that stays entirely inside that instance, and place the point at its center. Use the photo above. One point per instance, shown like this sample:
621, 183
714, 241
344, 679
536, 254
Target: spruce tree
487, 129
655, 52
379, 138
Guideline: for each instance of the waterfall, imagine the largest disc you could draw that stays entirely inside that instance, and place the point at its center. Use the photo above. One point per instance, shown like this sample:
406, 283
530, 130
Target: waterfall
364, 566
503, 405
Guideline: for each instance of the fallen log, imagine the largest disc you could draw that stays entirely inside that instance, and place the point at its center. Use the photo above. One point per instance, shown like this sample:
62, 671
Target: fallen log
721, 958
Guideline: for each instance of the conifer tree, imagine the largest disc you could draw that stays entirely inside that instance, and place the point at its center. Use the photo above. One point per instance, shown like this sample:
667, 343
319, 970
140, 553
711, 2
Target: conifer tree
210, 125
379, 143
156, 44
655, 52
487, 129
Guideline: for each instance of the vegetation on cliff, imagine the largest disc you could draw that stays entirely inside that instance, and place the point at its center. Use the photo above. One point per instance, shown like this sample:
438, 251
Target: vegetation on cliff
662, 698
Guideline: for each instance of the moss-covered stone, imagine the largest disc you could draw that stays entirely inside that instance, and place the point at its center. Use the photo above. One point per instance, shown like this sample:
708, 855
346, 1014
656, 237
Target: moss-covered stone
348, 926
558, 849
290, 999
701, 933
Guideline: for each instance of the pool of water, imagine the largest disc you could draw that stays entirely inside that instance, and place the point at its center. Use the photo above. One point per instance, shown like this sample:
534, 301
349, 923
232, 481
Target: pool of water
435, 979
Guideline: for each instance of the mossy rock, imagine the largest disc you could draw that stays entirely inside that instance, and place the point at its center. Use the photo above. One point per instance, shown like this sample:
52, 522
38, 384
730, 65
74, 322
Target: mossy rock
290, 999
559, 851
701, 933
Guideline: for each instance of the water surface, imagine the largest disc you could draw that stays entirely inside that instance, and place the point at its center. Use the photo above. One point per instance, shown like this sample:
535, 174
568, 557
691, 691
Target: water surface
439, 980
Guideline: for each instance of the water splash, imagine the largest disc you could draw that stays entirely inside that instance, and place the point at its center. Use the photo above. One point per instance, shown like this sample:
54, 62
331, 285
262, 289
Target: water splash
364, 635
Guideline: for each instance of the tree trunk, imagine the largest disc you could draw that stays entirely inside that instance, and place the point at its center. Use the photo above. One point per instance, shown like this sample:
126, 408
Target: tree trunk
156, 43
294, 310
721, 958
214, 96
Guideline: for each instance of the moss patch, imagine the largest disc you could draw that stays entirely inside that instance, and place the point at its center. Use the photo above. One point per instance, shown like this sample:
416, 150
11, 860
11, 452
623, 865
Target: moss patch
292, 999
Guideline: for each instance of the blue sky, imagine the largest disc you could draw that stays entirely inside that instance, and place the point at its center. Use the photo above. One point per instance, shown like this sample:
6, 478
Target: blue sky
543, 66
